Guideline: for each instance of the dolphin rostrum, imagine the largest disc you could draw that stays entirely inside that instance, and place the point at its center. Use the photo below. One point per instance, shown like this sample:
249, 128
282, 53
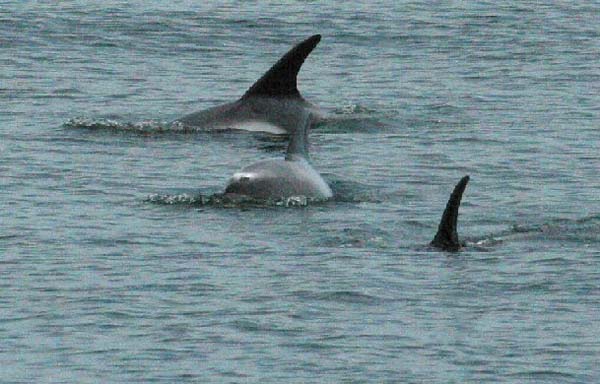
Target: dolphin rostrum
266, 105
283, 178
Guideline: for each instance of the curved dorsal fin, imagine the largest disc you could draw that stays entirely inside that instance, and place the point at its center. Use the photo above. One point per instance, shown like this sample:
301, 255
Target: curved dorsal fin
446, 237
298, 145
280, 80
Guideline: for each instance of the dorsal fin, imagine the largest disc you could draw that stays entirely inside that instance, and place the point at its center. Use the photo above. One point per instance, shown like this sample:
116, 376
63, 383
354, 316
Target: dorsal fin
280, 80
298, 146
446, 237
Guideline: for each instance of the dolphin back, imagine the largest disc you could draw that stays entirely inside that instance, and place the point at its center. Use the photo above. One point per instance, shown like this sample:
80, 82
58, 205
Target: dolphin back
281, 79
446, 237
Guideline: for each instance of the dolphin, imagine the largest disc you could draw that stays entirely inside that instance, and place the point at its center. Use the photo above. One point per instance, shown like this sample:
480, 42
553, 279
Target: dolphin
268, 104
283, 178
446, 238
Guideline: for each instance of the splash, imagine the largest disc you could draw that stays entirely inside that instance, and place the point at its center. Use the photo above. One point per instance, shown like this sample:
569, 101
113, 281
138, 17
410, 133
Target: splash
146, 127
230, 200
344, 192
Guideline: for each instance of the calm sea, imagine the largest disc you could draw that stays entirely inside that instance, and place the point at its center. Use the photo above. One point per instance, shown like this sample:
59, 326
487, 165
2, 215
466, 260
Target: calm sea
113, 271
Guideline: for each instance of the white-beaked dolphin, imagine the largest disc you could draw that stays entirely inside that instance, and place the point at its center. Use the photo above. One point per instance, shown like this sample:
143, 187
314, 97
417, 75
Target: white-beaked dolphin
283, 178
270, 105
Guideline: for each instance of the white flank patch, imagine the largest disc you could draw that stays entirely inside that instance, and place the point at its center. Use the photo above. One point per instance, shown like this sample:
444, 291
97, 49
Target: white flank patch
258, 126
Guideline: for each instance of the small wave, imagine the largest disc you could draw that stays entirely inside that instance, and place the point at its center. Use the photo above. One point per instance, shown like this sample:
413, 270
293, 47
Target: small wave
542, 374
183, 199
589, 220
352, 118
346, 191
263, 327
9, 236
343, 192
586, 228
229, 200
353, 124
344, 296
354, 110
583, 230
446, 108
143, 127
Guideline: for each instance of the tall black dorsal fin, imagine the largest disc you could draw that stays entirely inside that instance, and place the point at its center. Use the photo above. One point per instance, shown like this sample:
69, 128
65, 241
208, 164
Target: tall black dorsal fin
298, 145
446, 237
280, 80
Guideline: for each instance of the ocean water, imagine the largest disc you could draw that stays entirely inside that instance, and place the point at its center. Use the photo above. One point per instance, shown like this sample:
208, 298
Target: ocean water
113, 270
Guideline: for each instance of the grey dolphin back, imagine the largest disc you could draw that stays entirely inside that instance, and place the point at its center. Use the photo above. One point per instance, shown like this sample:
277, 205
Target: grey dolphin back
298, 145
281, 79
446, 237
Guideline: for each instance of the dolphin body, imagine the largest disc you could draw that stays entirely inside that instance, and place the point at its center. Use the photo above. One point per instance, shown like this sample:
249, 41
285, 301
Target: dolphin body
270, 105
283, 178
446, 238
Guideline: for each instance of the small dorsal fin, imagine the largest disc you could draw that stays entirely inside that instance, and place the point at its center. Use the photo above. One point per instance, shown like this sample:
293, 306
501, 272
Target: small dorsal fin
298, 146
446, 237
280, 80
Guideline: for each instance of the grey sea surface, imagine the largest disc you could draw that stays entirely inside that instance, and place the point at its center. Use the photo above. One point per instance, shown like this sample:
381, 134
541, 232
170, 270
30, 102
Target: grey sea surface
114, 269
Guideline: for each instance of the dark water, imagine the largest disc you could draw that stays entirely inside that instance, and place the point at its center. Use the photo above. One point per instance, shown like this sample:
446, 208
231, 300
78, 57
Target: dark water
112, 271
